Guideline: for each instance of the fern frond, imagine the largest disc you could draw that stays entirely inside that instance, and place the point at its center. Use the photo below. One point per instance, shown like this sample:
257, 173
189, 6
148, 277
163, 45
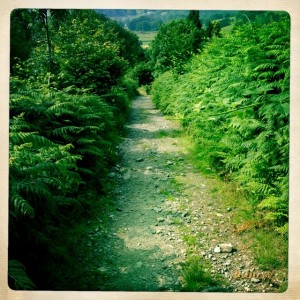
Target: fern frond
30, 137
85, 141
60, 109
21, 205
265, 66
90, 150
32, 188
268, 75
18, 123
17, 273
20, 137
85, 171
95, 128
90, 117
65, 130
283, 230
260, 188
273, 203
275, 216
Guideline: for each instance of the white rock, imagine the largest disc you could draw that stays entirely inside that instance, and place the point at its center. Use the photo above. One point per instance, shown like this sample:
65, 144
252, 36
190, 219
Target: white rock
226, 247
217, 249
227, 263
255, 280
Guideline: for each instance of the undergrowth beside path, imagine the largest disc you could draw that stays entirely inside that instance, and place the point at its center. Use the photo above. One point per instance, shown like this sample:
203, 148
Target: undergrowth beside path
233, 99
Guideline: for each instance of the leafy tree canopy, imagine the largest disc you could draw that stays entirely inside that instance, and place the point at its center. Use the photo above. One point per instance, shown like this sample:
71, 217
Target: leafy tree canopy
174, 43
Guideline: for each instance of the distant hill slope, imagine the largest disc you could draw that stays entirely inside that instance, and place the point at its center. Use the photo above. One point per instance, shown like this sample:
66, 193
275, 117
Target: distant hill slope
145, 23
150, 20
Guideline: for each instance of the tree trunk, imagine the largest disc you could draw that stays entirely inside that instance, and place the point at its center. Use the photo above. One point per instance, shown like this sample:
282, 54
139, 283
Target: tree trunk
45, 22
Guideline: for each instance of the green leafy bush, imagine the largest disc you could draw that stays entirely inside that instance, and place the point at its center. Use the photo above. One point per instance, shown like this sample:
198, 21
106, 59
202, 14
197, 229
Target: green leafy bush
174, 43
95, 62
143, 73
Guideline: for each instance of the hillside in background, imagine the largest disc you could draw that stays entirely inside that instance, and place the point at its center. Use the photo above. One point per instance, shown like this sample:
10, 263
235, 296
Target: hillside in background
150, 20
145, 23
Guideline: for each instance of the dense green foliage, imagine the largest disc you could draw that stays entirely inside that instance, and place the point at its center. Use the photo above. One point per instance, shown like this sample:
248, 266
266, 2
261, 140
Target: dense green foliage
69, 98
234, 100
174, 43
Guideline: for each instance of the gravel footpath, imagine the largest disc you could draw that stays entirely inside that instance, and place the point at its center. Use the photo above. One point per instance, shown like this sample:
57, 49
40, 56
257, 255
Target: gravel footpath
159, 198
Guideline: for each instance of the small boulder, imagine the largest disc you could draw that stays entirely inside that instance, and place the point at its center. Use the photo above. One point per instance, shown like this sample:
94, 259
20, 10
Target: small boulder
226, 247
255, 280
217, 249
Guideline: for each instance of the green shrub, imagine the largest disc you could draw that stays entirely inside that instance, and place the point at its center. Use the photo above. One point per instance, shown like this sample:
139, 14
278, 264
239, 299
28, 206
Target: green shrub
174, 43
143, 73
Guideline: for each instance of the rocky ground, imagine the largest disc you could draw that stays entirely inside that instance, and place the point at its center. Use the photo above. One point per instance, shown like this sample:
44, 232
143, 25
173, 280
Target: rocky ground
162, 211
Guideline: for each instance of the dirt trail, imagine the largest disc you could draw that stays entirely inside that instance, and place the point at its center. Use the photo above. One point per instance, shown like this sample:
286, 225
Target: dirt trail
145, 248
161, 207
